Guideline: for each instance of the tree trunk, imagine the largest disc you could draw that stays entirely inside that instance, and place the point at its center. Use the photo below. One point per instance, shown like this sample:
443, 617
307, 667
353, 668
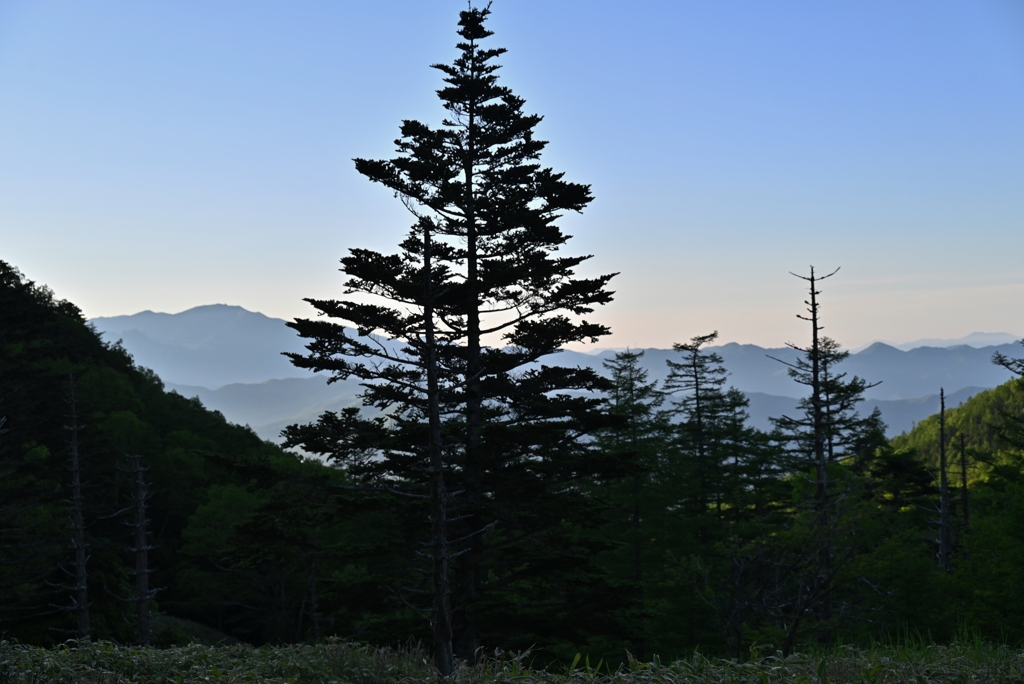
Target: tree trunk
824, 612
314, 607
470, 580
698, 415
77, 522
142, 591
945, 526
963, 497
444, 658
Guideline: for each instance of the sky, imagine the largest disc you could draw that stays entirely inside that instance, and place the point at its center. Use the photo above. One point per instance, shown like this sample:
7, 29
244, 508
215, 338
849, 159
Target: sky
165, 155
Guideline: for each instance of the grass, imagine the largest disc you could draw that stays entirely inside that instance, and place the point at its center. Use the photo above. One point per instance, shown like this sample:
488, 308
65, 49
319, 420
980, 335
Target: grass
343, 662
106, 663
175, 631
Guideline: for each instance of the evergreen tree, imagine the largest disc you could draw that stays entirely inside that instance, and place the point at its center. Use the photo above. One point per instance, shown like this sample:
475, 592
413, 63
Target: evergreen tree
727, 482
965, 528
639, 442
829, 433
512, 430
711, 427
1012, 430
140, 549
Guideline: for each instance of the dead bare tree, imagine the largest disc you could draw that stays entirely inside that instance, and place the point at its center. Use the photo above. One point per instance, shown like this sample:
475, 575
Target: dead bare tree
143, 594
964, 499
80, 599
945, 519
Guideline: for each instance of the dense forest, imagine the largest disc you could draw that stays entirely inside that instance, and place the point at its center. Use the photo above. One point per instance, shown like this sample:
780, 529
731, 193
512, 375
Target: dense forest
482, 500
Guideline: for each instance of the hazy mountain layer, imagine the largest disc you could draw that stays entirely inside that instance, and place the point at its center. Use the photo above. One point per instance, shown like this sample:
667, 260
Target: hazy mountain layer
268, 407
207, 346
900, 415
902, 375
239, 353
977, 339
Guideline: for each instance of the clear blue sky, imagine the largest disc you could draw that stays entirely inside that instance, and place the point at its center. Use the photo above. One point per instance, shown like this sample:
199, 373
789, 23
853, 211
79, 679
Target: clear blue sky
162, 155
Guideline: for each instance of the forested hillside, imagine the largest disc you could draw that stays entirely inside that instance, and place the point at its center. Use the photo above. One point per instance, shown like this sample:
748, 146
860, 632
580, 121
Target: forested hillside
987, 426
66, 397
680, 544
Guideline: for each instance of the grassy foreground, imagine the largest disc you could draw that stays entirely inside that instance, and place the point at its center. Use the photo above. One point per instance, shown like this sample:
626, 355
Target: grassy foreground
337, 661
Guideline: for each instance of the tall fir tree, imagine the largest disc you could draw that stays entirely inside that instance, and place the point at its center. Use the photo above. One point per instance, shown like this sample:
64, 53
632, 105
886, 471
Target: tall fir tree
513, 428
140, 549
1013, 424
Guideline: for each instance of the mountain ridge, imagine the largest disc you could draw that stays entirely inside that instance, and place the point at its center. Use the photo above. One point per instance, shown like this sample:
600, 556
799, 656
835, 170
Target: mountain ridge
977, 340
210, 345
231, 358
270, 406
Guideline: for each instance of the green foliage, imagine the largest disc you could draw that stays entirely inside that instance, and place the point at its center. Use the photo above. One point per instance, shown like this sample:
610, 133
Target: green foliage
108, 663
966, 660
122, 410
255, 544
989, 578
990, 424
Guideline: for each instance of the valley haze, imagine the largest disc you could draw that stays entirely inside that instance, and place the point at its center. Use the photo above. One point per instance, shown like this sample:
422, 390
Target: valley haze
231, 359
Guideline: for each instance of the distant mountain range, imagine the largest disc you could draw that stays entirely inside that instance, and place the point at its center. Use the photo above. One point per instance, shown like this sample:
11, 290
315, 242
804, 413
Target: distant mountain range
900, 415
976, 339
231, 359
270, 406
208, 346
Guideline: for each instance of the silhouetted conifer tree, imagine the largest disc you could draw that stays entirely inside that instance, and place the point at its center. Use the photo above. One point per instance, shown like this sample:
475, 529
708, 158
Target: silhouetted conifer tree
398, 345
639, 441
829, 432
724, 481
1012, 430
710, 428
476, 186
